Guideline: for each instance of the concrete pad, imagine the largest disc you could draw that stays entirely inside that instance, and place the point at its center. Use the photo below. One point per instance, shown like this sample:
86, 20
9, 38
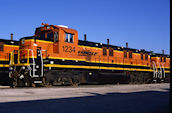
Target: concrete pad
145, 98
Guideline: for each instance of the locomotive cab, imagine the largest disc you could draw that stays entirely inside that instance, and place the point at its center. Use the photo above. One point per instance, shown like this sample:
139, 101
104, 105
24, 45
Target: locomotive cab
47, 33
36, 51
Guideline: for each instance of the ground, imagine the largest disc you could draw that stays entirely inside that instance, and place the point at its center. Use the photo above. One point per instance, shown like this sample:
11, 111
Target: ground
147, 98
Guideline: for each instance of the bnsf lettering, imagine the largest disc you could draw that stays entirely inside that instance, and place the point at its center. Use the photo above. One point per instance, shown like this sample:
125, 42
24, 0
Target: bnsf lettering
69, 49
86, 53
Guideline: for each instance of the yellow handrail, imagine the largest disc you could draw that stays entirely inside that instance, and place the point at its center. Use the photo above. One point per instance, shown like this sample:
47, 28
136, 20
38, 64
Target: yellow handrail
19, 58
28, 56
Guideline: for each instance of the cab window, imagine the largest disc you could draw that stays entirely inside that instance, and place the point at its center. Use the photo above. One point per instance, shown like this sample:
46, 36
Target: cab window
56, 38
50, 36
69, 37
42, 36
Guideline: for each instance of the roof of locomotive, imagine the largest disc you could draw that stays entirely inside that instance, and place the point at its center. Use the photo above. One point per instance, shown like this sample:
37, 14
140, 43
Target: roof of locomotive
9, 42
34, 37
119, 48
29, 37
47, 27
159, 55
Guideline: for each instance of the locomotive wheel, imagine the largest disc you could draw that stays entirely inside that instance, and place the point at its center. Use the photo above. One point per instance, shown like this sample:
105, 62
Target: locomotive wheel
44, 81
74, 82
18, 82
33, 85
14, 82
27, 81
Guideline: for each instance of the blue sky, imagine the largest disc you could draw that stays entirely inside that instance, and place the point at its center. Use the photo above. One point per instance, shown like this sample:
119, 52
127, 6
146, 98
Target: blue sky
144, 24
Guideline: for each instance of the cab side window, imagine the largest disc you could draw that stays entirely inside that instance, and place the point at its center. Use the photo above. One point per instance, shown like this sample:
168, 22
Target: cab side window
42, 36
69, 37
56, 38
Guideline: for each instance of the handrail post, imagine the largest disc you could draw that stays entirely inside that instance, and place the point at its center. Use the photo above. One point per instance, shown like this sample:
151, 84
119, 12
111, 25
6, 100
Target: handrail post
11, 62
28, 56
18, 56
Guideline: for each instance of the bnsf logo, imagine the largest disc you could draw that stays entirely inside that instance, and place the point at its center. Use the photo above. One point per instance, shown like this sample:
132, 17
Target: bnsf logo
86, 53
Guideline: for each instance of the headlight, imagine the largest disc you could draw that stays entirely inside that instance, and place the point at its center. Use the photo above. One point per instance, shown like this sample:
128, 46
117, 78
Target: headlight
23, 67
10, 68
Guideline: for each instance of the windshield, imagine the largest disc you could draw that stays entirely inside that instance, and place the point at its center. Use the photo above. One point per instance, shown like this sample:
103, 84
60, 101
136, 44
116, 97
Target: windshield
50, 36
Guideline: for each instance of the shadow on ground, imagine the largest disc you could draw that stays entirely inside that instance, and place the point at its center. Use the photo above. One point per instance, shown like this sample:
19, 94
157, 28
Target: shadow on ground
137, 102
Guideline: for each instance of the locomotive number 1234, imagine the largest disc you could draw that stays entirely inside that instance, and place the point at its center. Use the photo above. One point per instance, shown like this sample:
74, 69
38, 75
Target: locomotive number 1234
69, 49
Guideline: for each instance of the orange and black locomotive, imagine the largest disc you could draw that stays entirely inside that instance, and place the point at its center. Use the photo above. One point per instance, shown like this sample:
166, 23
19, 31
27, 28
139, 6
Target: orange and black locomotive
6, 47
54, 55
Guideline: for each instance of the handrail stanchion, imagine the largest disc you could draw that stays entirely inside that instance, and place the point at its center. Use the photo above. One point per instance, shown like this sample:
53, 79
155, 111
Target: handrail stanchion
160, 71
163, 70
28, 56
18, 57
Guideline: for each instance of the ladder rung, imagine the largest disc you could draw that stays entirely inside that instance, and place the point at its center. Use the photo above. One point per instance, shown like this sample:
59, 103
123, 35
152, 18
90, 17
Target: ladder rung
37, 81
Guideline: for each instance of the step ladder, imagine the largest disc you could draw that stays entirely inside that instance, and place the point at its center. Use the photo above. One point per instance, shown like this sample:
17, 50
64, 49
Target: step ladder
155, 71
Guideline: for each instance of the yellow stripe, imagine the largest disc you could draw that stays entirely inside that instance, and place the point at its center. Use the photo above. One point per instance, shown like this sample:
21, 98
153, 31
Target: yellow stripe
164, 67
4, 65
39, 41
95, 67
89, 47
24, 64
139, 54
85, 67
11, 45
160, 57
118, 51
4, 59
65, 58
167, 71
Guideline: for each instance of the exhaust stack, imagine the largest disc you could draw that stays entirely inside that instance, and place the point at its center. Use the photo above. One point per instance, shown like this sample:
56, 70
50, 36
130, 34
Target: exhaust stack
85, 37
108, 41
126, 44
163, 51
11, 36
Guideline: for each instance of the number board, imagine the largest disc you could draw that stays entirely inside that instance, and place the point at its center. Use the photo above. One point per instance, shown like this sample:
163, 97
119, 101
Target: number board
68, 49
